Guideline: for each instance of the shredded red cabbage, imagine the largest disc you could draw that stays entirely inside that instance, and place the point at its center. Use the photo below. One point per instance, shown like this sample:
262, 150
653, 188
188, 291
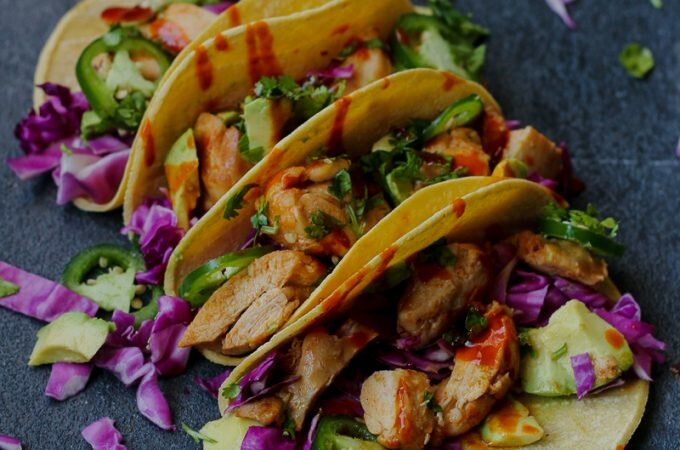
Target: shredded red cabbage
40, 298
333, 73
173, 316
218, 8
559, 7
677, 149
212, 385
309, 439
67, 380
125, 363
513, 124
266, 438
9, 443
584, 374
435, 360
156, 225
626, 317
91, 169
152, 403
103, 435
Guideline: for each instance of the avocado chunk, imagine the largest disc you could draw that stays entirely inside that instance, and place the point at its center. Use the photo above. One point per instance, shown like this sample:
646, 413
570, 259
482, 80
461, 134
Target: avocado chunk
125, 76
436, 52
265, 120
511, 425
572, 330
399, 188
111, 290
7, 288
384, 144
511, 168
74, 337
227, 432
181, 171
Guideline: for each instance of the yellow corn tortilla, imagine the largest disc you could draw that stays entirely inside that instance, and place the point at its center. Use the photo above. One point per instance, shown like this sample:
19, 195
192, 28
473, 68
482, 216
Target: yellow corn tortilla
603, 421
301, 42
83, 24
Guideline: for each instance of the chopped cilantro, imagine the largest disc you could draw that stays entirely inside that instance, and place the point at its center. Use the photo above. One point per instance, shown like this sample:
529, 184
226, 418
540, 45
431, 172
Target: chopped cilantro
197, 436
439, 253
260, 220
374, 43
252, 155
428, 398
231, 392
321, 225
7, 288
587, 219
560, 352
289, 428
236, 202
341, 185
637, 60
310, 97
475, 322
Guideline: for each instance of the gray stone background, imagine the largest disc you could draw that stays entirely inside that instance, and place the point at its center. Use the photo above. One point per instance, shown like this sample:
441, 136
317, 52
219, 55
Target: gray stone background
622, 133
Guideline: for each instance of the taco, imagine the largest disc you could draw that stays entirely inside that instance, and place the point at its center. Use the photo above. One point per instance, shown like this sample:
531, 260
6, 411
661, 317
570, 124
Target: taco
233, 97
492, 324
319, 198
117, 54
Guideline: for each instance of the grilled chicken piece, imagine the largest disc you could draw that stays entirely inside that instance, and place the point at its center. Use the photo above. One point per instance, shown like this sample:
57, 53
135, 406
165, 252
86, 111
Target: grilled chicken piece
395, 408
437, 294
270, 273
370, 64
263, 318
465, 147
322, 357
559, 257
191, 19
483, 372
268, 411
299, 194
535, 150
221, 164
374, 215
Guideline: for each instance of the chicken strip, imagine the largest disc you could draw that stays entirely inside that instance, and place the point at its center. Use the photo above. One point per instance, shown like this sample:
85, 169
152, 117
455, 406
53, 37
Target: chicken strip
221, 164
271, 272
465, 147
268, 411
396, 410
322, 357
311, 219
559, 257
483, 372
437, 295
535, 150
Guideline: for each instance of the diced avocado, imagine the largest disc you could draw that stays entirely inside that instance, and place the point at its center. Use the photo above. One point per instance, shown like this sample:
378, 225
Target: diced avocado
74, 337
125, 76
511, 168
572, 330
111, 290
436, 52
384, 144
265, 120
7, 288
398, 188
511, 425
181, 171
229, 117
228, 432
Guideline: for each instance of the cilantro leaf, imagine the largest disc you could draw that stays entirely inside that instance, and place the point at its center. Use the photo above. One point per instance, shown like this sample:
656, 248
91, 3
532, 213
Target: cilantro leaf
197, 436
587, 219
260, 220
341, 185
475, 322
439, 253
321, 225
289, 428
236, 202
428, 398
252, 155
231, 392
637, 60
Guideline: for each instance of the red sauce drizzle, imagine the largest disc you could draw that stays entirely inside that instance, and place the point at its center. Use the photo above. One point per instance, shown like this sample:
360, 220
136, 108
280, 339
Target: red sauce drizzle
486, 348
253, 58
268, 62
476, 166
204, 68
171, 35
450, 80
404, 423
614, 338
386, 257
359, 339
495, 134
385, 83
130, 14
340, 30
149, 146
234, 16
459, 207
221, 43
335, 141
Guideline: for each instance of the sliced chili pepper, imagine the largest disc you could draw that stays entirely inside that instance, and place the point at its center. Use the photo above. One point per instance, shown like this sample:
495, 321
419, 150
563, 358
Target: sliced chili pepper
149, 311
77, 270
202, 282
459, 114
342, 432
101, 97
598, 243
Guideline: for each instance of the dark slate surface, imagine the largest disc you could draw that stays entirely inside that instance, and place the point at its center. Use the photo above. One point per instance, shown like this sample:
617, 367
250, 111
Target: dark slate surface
622, 133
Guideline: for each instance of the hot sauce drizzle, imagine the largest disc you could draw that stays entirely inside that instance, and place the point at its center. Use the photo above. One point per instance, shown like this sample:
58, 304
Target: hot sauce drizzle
340, 30
335, 141
147, 139
261, 58
459, 207
171, 35
385, 83
204, 68
234, 16
450, 81
122, 14
221, 43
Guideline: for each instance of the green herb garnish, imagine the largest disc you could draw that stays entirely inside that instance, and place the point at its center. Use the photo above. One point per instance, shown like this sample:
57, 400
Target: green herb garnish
197, 436
637, 60
428, 398
475, 323
231, 392
236, 202
252, 155
321, 225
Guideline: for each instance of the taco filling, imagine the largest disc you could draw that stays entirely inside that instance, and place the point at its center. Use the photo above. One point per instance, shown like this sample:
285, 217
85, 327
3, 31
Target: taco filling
446, 347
